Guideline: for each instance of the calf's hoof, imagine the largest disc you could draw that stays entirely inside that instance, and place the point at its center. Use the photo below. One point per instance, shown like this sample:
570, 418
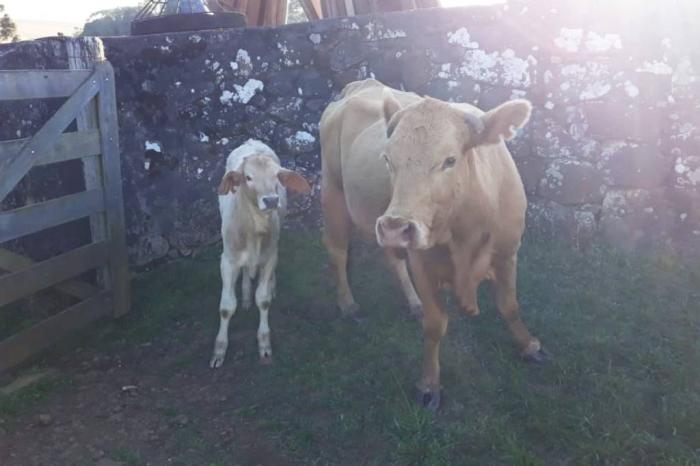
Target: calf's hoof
541, 356
266, 359
217, 360
429, 399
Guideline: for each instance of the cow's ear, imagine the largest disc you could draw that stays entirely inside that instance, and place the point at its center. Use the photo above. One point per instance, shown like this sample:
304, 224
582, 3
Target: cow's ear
390, 107
229, 182
294, 181
503, 121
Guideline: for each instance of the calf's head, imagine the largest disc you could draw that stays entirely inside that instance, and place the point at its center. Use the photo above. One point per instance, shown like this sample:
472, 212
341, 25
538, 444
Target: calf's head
260, 179
429, 154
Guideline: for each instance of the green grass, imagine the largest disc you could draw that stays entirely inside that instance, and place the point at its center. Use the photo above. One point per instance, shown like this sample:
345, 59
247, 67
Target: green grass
623, 388
11, 405
128, 457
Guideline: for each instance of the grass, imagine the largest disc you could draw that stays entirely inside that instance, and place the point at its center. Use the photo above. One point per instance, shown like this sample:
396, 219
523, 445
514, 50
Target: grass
624, 387
11, 405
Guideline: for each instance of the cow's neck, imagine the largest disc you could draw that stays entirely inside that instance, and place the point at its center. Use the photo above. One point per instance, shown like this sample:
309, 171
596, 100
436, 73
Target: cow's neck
472, 215
471, 238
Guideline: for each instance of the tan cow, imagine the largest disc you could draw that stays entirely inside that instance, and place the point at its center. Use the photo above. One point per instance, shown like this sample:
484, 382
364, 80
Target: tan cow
434, 179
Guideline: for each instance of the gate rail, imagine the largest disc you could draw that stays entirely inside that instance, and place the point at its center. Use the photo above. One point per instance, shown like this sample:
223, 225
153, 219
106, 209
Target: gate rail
91, 101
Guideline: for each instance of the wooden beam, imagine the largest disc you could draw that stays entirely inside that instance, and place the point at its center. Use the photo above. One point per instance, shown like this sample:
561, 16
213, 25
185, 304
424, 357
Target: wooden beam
282, 13
114, 203
254, 12
74, 145
21, 346
40, 84
36, 217
313, 9
13, 262
48, 273
349, 8
84, 55
15, 167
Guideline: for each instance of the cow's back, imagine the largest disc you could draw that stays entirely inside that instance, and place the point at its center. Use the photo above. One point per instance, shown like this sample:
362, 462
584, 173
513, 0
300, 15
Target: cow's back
353, 133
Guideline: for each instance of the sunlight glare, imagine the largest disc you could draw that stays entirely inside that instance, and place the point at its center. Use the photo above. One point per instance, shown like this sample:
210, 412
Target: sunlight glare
451, 3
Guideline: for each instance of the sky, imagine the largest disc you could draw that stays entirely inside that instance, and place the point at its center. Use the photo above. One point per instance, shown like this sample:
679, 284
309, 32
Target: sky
69, 11
46, 17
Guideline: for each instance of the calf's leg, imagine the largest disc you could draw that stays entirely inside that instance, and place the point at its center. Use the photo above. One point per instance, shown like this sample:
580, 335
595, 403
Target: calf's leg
336, 237
263, 298
227, 307
507, 304
398, 265
246, 287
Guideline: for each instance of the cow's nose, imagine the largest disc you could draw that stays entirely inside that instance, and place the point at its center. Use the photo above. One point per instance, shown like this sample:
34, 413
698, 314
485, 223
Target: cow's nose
271, 202
395, 232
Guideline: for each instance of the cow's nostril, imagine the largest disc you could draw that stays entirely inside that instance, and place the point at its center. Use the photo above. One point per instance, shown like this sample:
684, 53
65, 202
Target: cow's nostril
408, 231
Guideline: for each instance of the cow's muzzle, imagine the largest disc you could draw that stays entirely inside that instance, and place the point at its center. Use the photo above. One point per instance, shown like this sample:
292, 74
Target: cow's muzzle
397, 232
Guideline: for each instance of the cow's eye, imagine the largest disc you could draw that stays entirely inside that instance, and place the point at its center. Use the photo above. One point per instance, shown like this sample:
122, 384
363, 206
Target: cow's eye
248, 178
449, 163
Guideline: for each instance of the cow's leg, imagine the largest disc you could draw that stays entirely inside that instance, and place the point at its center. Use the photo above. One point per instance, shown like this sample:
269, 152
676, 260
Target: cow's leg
227, 307
398, 265
508, 307
434, 327
336, 237
263, 298
246, 287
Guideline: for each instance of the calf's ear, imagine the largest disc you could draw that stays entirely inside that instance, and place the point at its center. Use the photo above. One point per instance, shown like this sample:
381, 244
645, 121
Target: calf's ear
503, 121
294, 181
229, 182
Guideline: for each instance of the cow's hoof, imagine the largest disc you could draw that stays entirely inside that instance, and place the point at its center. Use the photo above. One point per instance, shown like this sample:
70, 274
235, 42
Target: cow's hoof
415, 311
429, 399
541, 356
354, 313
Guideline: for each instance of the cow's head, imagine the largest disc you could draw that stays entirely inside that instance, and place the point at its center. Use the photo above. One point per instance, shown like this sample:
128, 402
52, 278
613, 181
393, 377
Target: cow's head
259, 179
429, 154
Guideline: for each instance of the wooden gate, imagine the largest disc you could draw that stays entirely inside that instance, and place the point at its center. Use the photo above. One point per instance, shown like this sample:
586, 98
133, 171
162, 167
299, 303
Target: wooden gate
91, 102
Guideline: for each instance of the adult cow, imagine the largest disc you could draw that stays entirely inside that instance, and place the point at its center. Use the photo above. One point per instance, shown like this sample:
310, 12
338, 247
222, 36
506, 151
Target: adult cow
434, 179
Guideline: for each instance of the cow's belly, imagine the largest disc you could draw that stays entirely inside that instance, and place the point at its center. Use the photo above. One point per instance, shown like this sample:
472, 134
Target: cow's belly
366, 183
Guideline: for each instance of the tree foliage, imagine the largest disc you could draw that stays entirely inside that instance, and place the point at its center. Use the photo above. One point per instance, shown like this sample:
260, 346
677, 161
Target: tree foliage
111, 22
295, 12
8, 28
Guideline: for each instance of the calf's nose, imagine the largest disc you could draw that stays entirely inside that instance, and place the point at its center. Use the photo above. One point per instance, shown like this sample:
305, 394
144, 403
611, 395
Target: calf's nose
271, 202
395, 232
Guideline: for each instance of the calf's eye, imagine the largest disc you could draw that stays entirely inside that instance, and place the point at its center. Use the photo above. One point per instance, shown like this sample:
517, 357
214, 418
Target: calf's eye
449, 163
248, 178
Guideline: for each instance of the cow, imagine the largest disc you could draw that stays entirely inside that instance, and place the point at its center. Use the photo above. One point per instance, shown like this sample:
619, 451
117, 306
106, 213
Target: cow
252, 204
432, 182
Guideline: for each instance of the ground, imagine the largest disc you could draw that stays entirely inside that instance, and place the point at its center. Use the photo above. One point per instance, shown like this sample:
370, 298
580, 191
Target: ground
622, 389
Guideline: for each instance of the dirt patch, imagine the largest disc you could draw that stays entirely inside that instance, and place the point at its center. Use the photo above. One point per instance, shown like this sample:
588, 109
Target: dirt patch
155, 403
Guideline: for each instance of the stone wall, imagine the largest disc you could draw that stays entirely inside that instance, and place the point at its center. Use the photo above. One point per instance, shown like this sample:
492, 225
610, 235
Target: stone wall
611, 151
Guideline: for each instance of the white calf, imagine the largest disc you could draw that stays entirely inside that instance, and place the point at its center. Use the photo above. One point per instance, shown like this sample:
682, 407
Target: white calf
252, 203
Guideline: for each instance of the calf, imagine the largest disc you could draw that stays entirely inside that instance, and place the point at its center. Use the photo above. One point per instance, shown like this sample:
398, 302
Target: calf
252, 203
436, 180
